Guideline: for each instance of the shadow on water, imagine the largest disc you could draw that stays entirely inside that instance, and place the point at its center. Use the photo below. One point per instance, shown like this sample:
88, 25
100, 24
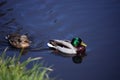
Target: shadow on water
77, 59
2, 14
2, 3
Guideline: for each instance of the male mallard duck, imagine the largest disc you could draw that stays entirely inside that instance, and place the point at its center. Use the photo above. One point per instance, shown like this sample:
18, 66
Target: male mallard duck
76, 46
18, 41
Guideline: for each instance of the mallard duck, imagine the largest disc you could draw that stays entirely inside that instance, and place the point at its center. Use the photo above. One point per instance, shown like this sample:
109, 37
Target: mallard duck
18, 40
74, 47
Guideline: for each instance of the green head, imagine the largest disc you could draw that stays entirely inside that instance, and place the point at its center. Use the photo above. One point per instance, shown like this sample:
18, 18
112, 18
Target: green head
76, 42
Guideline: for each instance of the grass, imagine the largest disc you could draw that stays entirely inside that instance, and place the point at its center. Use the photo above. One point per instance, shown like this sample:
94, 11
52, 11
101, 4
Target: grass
12, 69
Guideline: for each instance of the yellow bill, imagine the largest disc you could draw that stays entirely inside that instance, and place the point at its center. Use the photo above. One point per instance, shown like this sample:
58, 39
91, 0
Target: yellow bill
83, 44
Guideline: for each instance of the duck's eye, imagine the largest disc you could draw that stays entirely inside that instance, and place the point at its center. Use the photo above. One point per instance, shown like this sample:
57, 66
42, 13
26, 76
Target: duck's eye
19, 40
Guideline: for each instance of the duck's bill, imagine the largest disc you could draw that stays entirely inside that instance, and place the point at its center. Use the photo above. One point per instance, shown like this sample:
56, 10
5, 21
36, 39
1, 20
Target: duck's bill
83, 44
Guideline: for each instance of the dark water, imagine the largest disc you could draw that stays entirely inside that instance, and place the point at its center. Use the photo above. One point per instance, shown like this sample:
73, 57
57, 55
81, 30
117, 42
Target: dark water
96, 22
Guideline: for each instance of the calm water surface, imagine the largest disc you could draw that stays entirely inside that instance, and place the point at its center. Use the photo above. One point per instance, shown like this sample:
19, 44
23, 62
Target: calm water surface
96, 22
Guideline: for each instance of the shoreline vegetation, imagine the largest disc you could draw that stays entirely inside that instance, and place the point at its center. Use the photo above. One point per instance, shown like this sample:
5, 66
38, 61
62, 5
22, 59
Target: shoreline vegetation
12, 69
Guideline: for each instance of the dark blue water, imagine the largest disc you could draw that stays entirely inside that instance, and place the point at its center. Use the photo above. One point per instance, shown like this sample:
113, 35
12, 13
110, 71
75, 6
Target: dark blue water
96, 22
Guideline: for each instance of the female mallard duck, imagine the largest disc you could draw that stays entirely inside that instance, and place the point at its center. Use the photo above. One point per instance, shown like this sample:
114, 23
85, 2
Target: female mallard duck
74, 47
18, 41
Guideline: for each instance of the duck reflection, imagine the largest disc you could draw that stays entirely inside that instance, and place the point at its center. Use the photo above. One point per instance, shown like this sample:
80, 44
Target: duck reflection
78, 58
